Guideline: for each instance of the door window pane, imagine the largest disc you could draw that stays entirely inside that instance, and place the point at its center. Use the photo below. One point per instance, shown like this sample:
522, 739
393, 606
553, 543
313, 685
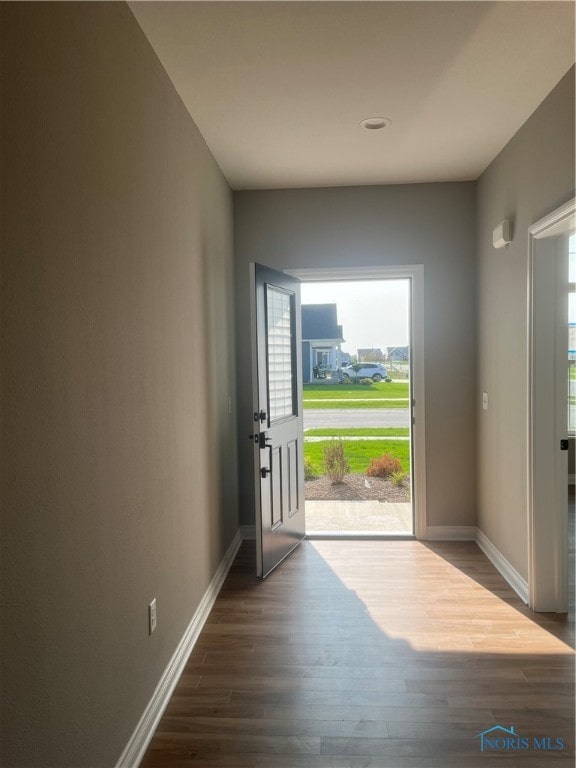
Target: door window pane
280, 338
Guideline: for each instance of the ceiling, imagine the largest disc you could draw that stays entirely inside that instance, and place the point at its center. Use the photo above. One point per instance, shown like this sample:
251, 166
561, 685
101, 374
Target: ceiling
278, 89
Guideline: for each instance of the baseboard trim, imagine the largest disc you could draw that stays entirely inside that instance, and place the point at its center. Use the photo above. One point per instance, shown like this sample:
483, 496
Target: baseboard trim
248, 532
138, 743
450, 533
518, 584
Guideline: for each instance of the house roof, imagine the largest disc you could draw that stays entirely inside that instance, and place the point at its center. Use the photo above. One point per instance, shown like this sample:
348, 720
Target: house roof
320, 321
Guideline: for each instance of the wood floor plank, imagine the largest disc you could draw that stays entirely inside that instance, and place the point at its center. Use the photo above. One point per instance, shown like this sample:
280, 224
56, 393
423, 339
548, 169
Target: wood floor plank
369, 655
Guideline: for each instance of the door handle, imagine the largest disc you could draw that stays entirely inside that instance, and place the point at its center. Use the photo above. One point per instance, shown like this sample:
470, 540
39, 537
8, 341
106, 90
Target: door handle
263, 439
563, 445
264, 442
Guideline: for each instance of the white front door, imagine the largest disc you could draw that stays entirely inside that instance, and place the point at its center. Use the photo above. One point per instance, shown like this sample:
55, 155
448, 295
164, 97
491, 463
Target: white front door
278, 426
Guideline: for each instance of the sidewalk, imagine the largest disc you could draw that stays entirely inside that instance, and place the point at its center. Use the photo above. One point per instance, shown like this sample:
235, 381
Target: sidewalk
319, 439
358, 516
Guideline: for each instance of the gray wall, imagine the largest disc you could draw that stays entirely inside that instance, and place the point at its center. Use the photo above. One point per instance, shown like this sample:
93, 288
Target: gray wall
532, 176
118, 452
430, 224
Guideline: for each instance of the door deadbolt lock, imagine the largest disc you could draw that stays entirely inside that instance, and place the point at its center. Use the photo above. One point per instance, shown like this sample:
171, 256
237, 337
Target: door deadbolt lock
563, 445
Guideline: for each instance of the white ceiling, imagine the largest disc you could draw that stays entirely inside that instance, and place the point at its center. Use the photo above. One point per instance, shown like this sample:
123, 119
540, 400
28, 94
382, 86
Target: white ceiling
278, 88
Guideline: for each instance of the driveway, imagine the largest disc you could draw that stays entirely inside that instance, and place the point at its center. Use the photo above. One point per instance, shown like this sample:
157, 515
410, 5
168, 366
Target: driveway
356, 417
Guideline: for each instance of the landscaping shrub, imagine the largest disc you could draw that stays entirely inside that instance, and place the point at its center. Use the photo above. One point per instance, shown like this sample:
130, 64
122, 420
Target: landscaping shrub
366, 382
398, 478
384, 466
309, 470
335, 463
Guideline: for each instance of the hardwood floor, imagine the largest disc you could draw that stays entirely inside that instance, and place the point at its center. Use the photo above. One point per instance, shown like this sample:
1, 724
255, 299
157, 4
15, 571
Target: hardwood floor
388, 654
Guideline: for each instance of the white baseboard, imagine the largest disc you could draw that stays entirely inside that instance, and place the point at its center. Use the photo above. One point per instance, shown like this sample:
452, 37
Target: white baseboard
134, 750
248, 532
450, 533
518, 584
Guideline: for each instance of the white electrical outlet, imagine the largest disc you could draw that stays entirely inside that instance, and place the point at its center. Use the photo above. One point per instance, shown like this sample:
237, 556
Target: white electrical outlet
485, 400
152, 617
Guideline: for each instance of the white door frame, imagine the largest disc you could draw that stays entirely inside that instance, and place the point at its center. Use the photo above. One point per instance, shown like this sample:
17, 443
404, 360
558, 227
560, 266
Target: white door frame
415, 272
547, 542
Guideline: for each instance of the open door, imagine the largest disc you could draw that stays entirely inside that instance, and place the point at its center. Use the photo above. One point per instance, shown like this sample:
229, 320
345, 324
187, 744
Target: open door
278, 426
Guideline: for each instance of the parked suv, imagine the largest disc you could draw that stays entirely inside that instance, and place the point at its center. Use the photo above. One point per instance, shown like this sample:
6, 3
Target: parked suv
374, 371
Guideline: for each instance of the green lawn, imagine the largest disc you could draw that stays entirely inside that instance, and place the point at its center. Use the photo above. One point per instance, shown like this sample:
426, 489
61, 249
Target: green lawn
359, 453
358, 432
353, 391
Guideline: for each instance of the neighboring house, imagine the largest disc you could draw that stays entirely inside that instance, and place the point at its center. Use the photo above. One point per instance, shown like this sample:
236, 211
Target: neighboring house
398, 354
371, 355
321, 339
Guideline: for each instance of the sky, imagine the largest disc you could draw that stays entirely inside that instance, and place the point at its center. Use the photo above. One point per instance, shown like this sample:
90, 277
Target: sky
372, 313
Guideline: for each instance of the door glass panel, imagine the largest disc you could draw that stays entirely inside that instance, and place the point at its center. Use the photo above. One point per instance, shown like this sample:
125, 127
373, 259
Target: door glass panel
280, 343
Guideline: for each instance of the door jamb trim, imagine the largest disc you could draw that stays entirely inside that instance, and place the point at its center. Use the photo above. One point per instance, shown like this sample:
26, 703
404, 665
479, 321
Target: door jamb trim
548, 226
415, 272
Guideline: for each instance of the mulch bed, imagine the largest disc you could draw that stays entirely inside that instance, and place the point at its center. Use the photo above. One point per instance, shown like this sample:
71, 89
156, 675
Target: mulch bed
355, 488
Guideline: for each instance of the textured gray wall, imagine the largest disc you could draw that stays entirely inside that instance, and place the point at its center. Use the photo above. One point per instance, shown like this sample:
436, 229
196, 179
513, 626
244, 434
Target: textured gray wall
532, 176
430, 224
118, 452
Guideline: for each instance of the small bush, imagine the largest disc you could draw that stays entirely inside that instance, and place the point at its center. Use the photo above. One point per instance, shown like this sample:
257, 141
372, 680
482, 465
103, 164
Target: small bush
335, 463
309, 470
384, 466
398, 478
366, 382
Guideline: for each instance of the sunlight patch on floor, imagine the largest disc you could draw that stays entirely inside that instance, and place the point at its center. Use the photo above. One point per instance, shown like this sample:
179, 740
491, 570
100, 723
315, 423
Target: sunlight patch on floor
470, 609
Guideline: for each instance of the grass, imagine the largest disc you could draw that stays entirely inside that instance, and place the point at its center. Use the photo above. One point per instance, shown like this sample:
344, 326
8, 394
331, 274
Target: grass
358, 432
359, 453
355, 391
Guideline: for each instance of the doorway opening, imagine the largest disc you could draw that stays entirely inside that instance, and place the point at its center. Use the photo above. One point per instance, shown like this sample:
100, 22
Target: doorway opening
360, 345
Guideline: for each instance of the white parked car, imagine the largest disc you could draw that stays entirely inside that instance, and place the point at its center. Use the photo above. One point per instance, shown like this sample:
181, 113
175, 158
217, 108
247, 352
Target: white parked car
374, 371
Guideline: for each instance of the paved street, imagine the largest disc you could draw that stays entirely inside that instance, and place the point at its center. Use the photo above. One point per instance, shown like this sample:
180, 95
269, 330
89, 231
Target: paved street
355, 417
